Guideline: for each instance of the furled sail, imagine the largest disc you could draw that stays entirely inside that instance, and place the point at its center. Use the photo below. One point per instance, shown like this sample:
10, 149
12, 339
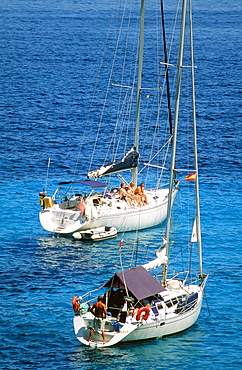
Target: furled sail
161, 259
129, 161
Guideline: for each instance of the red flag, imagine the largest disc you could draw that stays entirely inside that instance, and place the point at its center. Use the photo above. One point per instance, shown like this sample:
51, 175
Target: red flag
191, 177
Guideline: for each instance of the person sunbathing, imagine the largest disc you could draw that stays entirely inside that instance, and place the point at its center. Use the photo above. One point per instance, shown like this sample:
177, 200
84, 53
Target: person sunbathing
123, 194
140, 191
130, 192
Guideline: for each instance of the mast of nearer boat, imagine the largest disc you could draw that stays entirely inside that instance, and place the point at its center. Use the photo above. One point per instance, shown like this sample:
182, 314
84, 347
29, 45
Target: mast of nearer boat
140, 66
173, 154
198, 222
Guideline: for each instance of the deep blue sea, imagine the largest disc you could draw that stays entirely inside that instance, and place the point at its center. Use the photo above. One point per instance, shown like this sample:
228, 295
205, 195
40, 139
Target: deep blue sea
49, 56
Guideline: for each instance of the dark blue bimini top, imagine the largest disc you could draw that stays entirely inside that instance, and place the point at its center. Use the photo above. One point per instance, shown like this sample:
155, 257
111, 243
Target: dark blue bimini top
138, 281
94, 184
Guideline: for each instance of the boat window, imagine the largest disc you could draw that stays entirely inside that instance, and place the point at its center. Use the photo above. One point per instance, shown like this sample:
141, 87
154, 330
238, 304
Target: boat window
174, 301
168, 303
159, 306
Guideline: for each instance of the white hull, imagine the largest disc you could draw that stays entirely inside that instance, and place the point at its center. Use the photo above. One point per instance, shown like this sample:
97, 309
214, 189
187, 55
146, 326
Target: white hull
171, 326
100, 211
166, 323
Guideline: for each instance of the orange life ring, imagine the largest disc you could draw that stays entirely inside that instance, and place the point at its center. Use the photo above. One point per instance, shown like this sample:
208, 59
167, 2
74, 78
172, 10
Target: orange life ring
143, 309
75, 303
81, 207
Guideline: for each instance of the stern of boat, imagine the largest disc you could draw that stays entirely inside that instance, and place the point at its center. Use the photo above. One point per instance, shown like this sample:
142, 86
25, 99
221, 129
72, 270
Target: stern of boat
114, 331
61, 221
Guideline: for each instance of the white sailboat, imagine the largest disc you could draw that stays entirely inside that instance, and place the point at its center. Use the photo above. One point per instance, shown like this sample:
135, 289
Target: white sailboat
140, 306
70, 211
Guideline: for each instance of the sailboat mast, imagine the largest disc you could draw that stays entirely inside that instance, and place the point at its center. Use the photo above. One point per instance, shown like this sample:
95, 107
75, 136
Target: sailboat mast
198, 222
140, 67
173, 154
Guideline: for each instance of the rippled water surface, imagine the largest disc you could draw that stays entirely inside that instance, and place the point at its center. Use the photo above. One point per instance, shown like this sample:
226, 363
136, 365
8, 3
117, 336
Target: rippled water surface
49, 57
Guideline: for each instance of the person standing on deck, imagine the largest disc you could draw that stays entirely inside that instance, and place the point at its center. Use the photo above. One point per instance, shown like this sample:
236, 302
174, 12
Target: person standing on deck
99, 310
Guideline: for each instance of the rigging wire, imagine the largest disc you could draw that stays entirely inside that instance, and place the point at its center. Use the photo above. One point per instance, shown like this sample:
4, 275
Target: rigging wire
118, 130
121, 264
124, 116
166, 66
168, 55
127, 78
105, 100
86, 133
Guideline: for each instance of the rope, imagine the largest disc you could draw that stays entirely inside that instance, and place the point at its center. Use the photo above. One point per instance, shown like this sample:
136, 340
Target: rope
86, 127
121, 133
105, 99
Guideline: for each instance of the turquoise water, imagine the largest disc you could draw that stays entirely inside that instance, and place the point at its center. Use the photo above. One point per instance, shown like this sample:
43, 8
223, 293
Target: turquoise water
48, 57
